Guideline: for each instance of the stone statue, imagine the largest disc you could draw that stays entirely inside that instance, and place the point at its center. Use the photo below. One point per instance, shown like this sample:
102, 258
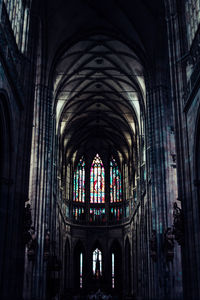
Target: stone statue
27, 223
178, 225
32, 245
169, 244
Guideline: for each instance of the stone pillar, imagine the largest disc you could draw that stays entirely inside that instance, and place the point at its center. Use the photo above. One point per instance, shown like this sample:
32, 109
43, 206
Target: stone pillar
162, 182
40, 187
184, 56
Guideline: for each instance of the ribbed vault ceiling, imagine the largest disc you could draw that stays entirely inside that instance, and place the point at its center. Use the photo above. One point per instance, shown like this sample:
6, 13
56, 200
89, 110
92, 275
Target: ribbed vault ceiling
99, 91
96, 55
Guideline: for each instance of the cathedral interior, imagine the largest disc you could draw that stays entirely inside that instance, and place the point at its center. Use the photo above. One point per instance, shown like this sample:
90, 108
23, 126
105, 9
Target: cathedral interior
99, 149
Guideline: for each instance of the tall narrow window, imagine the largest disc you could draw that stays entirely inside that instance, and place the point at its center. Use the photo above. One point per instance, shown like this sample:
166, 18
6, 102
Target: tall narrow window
97, 215
79, 182
115, 213
97, 179
113, 270
81, 270
115, 182
97, 263
18, 14
78, 213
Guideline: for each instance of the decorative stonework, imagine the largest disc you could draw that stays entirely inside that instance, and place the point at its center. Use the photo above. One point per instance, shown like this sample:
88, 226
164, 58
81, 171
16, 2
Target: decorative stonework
178, 225
169, 244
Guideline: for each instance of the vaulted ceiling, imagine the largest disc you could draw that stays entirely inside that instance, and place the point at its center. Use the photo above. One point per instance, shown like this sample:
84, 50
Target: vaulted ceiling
98, 87
97, 56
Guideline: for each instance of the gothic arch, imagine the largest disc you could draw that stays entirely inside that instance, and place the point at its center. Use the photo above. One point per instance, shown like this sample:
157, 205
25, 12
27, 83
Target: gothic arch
97, 244
70, 42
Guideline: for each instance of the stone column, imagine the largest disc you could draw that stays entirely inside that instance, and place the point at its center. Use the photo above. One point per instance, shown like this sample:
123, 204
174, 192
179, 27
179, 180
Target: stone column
162, 179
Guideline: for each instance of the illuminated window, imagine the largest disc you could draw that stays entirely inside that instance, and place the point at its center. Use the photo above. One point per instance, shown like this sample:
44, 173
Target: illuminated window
97, 263
81, 270
115, 213
97, 215
18, 14
97, 179
115, 182
79, 182
113, 270
192, 9
78, 213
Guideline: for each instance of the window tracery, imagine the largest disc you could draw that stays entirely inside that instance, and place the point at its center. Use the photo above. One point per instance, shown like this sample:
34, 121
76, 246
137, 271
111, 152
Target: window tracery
97, 212
115, 182
192, 8
79, 182
18, 14
97, 181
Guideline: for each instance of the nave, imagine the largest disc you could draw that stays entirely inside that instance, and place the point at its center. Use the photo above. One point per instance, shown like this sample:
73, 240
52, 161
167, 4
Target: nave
99, 149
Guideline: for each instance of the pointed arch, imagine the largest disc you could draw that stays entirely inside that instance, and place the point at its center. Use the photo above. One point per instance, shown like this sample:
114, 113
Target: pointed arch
97, 260
97, 181
115, 182
79, 182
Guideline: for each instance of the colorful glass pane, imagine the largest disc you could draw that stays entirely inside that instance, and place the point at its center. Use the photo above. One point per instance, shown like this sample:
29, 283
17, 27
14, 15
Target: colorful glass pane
97, 263
97, 215
97, 181
79, 182
115, 182
81, 270
115, 213
113, 270
78, 213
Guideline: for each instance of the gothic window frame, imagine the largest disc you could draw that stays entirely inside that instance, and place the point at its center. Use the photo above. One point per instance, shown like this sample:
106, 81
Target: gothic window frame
97, 181
79, 182
95, 254
115, 182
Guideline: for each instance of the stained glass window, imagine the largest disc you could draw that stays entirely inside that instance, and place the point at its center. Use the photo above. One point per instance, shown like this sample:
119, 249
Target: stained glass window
97, 263
79, 182
19, 13
115, 213
113, 270
97, 215
81, 270
127, 211
97, 179
115, 182
192, 9
78, 213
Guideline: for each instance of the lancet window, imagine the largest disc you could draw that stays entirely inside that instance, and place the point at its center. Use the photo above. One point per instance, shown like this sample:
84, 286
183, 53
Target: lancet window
115, 182
97, 263
97, 181
79, 182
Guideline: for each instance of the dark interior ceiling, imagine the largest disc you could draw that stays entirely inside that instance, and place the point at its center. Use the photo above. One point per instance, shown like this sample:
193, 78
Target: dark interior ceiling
97, 53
